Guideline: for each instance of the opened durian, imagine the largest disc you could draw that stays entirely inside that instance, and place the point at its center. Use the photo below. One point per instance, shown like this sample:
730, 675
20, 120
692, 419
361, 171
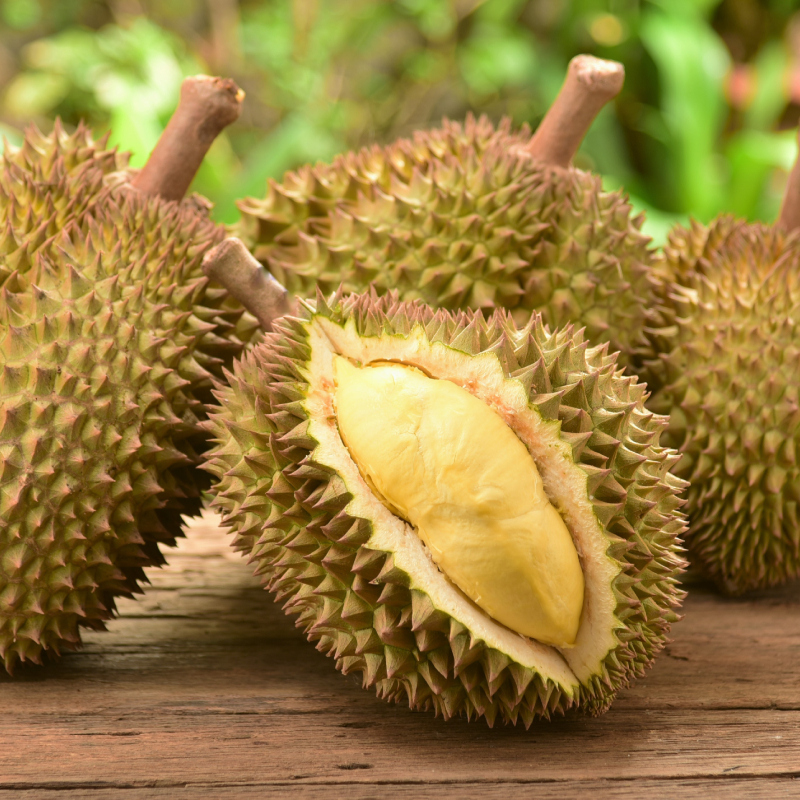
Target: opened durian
724, 363
477, 517
109, 337
469, 216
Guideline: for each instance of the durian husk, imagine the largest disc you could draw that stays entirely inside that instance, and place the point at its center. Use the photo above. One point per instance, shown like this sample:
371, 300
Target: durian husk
297, 517
460, 217
110, 337
723, 360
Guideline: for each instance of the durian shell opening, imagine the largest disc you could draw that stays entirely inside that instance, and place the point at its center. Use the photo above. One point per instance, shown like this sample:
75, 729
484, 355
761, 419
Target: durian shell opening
565, 484
359, 579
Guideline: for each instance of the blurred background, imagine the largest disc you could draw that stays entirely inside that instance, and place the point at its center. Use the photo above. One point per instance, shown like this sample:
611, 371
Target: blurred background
706, 121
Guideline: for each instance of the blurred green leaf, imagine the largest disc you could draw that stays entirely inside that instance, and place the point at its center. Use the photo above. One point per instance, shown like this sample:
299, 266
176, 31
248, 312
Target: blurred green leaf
435, 17
690, 134
33, 93
217, 178
426, 66
21, 15
494, 57
128, 77
499, 11
771, 67
754, 156
692, 62
688, 8
605, 147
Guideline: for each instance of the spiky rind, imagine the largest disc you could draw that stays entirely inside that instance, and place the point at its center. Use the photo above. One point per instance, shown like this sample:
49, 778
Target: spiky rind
288, 513
724, 362
48, 183
109, 338
460, 217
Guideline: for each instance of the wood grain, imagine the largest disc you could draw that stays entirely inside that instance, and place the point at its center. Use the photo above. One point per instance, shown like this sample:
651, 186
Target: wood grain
203, 688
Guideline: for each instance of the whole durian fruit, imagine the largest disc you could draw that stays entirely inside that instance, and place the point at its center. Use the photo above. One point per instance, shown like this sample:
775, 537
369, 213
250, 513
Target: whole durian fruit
469, 216
109, 338
477, 517
724, 362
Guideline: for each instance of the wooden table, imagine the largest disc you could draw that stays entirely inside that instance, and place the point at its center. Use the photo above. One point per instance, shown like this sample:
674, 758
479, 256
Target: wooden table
204, 689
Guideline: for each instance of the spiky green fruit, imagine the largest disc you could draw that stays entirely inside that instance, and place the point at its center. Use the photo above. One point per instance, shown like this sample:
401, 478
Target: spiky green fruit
724, 362
48, 183
460, 217
359, 578
109, 338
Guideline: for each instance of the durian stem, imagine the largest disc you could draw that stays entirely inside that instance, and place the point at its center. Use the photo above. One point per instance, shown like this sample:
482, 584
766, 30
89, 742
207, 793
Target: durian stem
207, 105
231, 264
789, 218
590, 83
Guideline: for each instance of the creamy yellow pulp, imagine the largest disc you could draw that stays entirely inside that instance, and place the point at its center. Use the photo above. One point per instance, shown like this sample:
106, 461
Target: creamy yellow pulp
448, 464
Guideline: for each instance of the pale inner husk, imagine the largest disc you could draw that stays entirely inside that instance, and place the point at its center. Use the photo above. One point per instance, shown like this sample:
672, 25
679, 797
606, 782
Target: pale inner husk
564, 482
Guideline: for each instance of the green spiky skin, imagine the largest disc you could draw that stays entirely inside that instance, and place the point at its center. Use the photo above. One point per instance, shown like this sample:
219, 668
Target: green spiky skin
48, 183
724, 362
287, 512
109, 339
460, 218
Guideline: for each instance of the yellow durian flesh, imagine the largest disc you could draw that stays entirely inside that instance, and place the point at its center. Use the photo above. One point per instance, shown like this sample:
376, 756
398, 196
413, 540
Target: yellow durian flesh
444, 461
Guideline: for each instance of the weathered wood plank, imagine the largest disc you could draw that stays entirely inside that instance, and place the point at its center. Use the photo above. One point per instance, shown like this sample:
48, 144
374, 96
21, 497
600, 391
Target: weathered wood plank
741, 789
252, 740
204, 682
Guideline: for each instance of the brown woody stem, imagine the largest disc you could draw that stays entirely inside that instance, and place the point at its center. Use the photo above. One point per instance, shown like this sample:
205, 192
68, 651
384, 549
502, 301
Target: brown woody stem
789, 218
206, 106
231, 264
590, 83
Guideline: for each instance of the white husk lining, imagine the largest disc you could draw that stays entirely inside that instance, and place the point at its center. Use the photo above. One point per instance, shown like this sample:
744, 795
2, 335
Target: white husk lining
564, 482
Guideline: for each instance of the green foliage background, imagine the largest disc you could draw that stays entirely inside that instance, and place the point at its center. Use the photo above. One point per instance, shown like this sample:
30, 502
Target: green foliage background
704, 124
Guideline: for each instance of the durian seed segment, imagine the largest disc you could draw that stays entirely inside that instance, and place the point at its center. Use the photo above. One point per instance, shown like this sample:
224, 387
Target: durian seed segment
441, 459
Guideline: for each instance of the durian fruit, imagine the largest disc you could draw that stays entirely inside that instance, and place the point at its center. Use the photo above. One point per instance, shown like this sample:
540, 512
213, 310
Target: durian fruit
110, 335
724, 362
48, 183
469, 216
477, 517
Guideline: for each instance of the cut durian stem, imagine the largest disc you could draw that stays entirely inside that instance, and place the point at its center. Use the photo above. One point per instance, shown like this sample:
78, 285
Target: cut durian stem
789, 218
231, 265
590, 83
207, 105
